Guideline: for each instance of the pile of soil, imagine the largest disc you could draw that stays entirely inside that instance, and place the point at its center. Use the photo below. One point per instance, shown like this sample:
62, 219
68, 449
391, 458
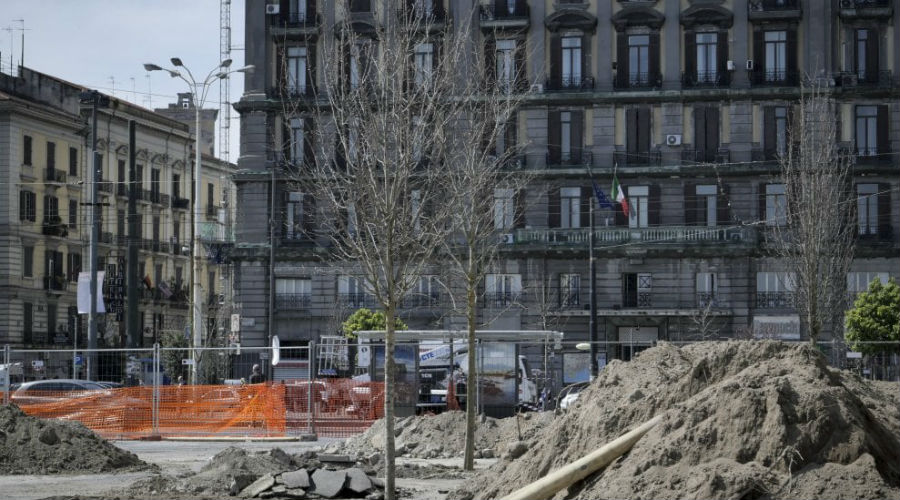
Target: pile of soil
29, 445
740, 420
443, 435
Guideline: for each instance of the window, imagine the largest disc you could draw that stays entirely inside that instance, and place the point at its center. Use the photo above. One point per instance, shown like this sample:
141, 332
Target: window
51, 210
210, 285
571, 61
569, 290
154, 185
28, 262
636, 289
706, 205
637, 136
298, 10
156, 222
293, 293
73, 264
359, 66
707, 60
638, 204
176, 232
426, 293
51, 323
139, 177
176, 186
860, 281
73, 161
565, 128
867, 209
351, 219
423, 7
506, 64
27, 206
504, 208
707, 290
296, 70
867, 130
776, 56
298, 140
120, 225
862, 43
776, 129
353, 291
73, 214
424, 54
776, 205
210, 198
639, 60
774, 289
122, 190
26, 150
565, 135
570, 207
51, 156
706, 133
295, 228
502, 289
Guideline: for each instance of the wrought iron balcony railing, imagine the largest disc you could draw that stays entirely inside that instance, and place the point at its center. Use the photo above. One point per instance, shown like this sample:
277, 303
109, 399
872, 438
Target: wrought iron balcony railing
292, 301
504, 10
640, 158
498, 300
774, 300
567, 83
705, 79
774, 78
571, 159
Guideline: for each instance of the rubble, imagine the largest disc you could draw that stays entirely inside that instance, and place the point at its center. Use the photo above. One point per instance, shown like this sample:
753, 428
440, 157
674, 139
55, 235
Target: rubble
30, 445
740, 420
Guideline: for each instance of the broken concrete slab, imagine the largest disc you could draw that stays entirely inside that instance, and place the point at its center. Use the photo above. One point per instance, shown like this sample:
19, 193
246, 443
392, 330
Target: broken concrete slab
335, 458
295, 492
260, 485
296, 479
515, 450
328, 483
358, 481
239, 482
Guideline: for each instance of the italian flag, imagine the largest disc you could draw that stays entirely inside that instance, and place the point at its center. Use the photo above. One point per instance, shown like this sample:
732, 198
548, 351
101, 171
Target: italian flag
619, 195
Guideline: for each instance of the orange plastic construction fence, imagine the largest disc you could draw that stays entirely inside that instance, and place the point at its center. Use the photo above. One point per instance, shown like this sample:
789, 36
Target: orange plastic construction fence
331, 407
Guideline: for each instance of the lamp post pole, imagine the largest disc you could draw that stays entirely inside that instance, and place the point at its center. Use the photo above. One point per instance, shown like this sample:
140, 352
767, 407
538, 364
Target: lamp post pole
198, 97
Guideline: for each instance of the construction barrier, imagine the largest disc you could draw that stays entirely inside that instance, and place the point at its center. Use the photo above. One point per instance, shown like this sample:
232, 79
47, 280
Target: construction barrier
340, 408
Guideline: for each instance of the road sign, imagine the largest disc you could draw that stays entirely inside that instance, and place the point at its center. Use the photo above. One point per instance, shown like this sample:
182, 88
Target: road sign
78, 360
189, 362
854, 355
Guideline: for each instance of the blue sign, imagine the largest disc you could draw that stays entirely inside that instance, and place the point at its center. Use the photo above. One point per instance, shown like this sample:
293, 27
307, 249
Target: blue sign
77, 360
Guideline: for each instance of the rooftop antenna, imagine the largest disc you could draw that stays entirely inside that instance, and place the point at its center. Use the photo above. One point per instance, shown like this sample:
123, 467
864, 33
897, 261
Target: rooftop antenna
148, 99
112, 81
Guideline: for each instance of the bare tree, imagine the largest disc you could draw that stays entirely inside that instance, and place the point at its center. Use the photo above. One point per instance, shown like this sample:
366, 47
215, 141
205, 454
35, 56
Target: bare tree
485, 185
816, 239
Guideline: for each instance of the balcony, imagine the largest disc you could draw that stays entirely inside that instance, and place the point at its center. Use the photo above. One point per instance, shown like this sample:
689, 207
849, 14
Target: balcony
154, 245
637, 300
705, 79
774, 78
54, 227
639, 159
500, 14
55, 176
570, 300
499, 300
774, 300
214, 232
105, 187
107, 237
294, 21
180, 203
515, 162
292, 301
869, 157
760, 10
357, 300
569, 84
422, 300
864, 79
427, 12
574, 159
866, 9
55, 283
638, 81
615, 236
286, 91
707, 299
697, 156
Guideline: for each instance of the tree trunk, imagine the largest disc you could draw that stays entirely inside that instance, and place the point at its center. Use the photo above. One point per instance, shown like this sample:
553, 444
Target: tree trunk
389, 470
471, 377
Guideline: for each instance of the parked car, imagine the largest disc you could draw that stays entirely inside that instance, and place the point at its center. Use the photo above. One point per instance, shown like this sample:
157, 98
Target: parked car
45, 391
569, 395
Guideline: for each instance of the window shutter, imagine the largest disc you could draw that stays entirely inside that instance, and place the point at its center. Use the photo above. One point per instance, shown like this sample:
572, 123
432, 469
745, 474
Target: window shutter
761, 214
622, 60
310, 66
554, 137
690, 56
521, 64
286, 139
884, 211
586, 73
770, 140
631, 134
872, 48
690, 204
435, 55
653, 205
577, 135
883, 125
643, 115
723, 211
759, 53
700, 134
519, 206
280, 67
311, 11
490, 61
712, 133
23, 206
309, 213
791, 47
585, 206
46, 209
553, 207
722, 51
555, 60
655, 75
309, 152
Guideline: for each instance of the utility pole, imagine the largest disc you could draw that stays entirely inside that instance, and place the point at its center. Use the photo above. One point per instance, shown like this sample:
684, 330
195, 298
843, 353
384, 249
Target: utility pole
133, 326
94, 179
593, 272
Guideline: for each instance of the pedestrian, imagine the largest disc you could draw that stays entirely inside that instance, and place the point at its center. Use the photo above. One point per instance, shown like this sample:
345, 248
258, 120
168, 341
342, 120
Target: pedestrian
180, 380
256, 377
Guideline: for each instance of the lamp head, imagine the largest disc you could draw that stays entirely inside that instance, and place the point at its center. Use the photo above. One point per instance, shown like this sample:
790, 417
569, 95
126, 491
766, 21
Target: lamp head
151, 67
176, 61
226, 63
246, 69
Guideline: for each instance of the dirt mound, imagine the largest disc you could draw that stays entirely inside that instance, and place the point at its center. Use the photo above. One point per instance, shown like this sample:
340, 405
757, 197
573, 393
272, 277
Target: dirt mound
740, 420
443, 435
29, 445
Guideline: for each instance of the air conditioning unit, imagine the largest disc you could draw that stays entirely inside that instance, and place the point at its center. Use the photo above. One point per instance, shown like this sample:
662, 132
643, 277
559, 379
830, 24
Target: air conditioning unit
273, 8
537, 88
749, 64
673, 140
729, 65
507, 239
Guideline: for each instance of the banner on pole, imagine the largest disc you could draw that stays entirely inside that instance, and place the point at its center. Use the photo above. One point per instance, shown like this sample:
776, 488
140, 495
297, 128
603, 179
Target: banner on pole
84, 292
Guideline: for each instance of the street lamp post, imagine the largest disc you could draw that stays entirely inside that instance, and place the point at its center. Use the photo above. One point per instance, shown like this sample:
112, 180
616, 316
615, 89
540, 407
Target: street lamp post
198, 96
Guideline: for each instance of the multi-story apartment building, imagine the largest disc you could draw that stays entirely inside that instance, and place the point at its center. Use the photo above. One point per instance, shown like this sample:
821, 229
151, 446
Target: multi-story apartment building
686, 101
45, 231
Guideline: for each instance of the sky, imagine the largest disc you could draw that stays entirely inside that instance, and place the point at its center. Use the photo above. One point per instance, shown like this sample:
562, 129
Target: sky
102, 44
